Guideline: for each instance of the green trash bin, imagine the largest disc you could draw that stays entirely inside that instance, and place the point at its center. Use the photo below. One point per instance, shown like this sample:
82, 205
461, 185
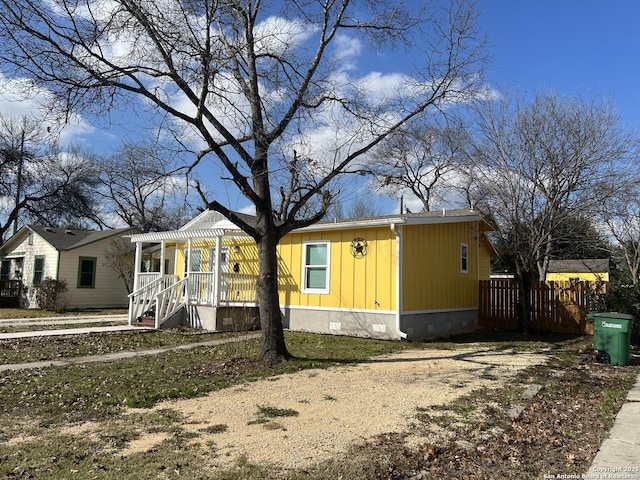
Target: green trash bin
612, 336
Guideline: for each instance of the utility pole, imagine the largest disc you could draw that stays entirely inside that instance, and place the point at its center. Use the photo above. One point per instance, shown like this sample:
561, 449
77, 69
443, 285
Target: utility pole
19, 180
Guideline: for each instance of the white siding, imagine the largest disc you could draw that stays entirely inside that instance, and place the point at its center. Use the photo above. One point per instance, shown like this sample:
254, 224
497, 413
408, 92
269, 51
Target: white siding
29, 252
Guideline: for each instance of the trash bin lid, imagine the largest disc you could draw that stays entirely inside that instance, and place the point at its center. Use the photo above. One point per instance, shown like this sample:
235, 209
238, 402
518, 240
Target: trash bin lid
612, 322
612, 315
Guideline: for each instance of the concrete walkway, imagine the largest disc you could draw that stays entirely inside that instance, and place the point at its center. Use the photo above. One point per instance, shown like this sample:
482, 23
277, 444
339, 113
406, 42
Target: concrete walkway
21, 322
619, 454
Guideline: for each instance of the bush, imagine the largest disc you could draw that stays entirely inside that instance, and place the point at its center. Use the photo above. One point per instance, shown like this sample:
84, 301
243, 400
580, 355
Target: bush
52, 295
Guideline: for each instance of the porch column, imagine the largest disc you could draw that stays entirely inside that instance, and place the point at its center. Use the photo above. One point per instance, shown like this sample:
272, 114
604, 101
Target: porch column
163, 246
138, 263
185, 274
188, 266
216, 275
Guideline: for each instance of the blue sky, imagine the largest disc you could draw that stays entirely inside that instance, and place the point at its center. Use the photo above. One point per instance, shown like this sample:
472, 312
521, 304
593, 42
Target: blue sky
588, 47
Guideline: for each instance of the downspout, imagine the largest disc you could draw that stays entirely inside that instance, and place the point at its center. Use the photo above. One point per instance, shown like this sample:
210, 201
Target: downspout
397, 232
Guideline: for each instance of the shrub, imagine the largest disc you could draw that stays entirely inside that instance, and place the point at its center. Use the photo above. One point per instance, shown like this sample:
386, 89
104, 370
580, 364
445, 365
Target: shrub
52, 295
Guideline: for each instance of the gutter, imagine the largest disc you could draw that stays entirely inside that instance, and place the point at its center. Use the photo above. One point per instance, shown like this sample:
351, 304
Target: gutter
397, 231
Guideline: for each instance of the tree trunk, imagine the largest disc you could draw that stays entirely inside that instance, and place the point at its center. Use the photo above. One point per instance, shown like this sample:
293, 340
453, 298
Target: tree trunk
274, 348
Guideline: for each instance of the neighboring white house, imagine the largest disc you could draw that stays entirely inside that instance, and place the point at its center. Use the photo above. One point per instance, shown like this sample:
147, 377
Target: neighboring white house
76, 256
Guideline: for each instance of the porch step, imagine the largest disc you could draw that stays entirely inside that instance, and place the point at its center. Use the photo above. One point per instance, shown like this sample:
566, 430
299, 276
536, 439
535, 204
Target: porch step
145, 322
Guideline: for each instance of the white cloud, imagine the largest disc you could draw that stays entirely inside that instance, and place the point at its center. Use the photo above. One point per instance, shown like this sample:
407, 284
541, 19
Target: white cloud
347, 51
277, 35
20, 98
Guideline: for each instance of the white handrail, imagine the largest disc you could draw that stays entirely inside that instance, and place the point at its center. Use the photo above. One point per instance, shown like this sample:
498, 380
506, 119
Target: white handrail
143, 300
169, 300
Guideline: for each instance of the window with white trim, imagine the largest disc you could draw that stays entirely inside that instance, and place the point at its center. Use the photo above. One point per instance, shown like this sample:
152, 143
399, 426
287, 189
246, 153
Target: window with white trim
464, 258
315, 267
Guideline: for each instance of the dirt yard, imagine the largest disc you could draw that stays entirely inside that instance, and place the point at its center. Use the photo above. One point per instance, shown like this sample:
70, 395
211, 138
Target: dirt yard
296, 420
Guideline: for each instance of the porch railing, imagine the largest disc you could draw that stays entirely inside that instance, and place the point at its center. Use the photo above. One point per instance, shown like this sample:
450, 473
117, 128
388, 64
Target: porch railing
234, 288
238, 288
161, 297
143, 300
202, 287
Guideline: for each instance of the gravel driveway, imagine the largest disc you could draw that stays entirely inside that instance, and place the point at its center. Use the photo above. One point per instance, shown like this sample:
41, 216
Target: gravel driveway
335, 407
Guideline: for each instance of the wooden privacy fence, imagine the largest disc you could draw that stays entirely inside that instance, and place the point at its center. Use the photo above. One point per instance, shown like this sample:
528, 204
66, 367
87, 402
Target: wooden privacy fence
559, 307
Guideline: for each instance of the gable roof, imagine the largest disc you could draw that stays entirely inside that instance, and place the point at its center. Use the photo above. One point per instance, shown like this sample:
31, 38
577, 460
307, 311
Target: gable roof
66, 239
598, 265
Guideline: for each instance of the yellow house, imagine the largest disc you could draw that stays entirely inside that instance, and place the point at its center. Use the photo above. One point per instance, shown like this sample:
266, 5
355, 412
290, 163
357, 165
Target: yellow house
585, 270
397, 276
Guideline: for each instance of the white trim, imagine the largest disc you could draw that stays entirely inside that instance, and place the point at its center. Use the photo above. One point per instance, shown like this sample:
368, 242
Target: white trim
334, 309
390, 221
442, 310
327, 267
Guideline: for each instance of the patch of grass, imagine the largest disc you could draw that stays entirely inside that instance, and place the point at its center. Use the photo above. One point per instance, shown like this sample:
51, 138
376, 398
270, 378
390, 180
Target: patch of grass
273, 412
266, 414
258, 421
330, 398
217, 428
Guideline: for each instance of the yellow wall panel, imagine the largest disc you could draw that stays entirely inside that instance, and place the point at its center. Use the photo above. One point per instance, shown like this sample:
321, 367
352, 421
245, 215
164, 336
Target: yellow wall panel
583, 276
355, 283
432, 276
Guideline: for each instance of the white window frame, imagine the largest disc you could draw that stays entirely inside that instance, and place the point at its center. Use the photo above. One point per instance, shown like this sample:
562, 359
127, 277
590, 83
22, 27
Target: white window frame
464, 258
327, 267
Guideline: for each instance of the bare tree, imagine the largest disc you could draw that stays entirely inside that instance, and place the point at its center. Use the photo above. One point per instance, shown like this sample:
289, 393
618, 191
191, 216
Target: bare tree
138, 187
119, 256
255, 84
541, 164
422, 159
38, 182
621, 216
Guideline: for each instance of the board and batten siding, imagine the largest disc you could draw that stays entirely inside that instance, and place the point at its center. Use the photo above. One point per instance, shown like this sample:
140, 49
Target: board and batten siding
246, 257
432, 275
366, 283
109, 290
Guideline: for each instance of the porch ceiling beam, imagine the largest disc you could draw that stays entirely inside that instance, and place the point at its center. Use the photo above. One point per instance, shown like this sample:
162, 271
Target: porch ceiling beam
185, 235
